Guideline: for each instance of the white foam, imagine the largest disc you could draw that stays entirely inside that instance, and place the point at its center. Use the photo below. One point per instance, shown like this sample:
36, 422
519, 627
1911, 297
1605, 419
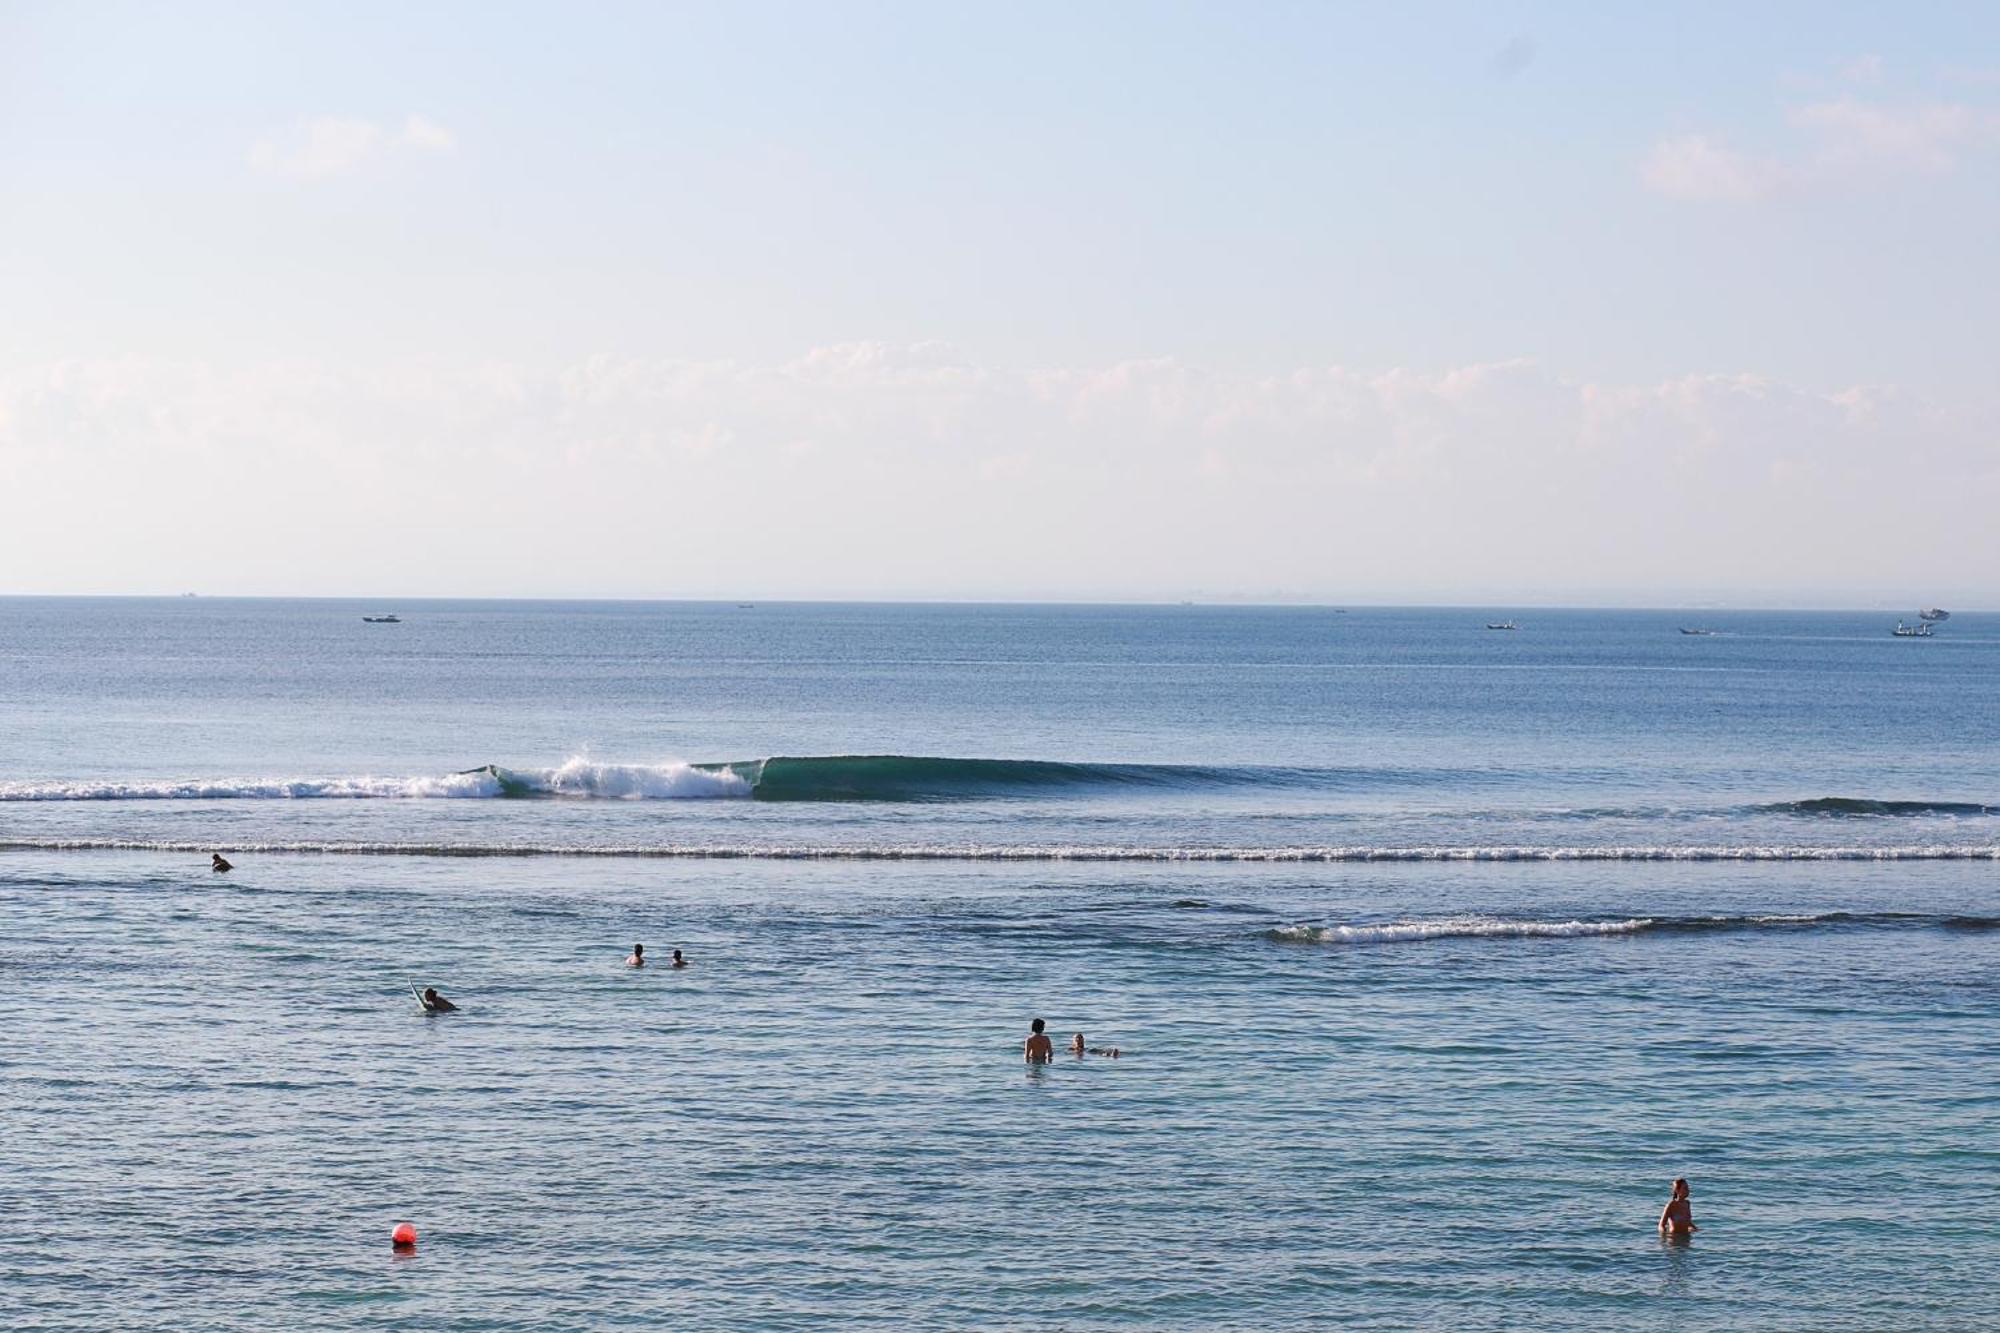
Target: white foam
574, 777
975, 852
1457, 927
454, 785
637, 782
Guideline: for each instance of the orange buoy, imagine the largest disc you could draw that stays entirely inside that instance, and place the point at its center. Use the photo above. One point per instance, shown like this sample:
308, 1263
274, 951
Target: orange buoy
404, 1236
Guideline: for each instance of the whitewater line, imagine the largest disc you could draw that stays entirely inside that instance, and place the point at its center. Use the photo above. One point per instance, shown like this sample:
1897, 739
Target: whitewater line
933, 852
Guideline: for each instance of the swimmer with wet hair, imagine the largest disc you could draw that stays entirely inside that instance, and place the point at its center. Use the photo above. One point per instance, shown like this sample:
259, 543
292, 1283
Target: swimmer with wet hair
435, 1003
217, 862
1077, 1048
1677, 1218
678, 960
638, 958
1038, 1049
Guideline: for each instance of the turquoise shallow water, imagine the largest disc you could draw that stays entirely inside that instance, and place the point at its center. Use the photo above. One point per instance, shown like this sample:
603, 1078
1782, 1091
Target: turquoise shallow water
1392, 1093
220, 1097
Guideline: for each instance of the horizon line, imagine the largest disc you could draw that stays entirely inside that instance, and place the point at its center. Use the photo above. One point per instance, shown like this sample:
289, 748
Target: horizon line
1224, 603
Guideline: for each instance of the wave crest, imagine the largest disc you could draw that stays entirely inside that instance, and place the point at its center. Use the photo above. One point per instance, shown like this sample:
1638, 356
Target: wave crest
1458, 927
1011, 852
827, 778
573, 778
1494, 927
1836, 806
885, 778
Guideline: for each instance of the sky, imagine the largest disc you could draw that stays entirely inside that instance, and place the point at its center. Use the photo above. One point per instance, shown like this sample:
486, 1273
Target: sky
1497, 303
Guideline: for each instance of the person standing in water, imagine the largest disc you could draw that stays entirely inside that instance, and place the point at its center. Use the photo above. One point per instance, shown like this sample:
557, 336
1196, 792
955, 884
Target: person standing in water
638, 958
1677, 1218
1038, 1050
678, 960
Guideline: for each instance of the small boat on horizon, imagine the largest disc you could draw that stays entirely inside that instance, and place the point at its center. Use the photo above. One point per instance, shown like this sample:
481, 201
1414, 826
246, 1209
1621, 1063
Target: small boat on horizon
391, 619
1501, 624
1692, 629
1934, 613
1921, 630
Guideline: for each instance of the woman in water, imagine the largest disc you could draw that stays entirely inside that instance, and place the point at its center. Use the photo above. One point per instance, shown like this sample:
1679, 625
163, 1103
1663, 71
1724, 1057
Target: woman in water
1677, 1218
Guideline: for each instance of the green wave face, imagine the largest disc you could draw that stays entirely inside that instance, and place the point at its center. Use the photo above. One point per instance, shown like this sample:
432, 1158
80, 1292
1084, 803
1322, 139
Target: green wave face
893, 777
1861, 805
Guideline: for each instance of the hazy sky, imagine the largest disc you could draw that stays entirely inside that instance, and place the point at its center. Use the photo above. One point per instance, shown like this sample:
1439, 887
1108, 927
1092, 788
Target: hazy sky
1488, 302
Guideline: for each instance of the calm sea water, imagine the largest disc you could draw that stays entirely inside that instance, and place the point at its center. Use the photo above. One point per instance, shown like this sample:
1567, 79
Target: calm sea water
1434, 952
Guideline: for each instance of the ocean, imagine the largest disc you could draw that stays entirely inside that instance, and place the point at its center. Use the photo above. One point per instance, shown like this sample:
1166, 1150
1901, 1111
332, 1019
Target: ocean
1433, 953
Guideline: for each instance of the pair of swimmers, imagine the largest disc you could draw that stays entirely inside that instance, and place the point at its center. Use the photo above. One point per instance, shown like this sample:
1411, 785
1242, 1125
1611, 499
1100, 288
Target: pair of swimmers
1039, 1050
638, 958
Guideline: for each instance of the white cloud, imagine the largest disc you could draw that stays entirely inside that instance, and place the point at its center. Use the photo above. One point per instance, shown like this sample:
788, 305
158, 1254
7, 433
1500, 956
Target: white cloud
1695, 166
1927, 137
632, 476
321, 146
1847, 143
324, 146
421, 132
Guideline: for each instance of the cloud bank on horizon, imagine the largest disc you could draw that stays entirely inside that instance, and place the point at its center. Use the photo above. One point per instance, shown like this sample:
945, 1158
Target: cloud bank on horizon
1122, 304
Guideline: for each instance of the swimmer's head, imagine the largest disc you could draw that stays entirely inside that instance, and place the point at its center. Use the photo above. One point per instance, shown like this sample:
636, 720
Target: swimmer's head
638, 950
1037, 1026
1680, 1187
1076, 1042
430, 992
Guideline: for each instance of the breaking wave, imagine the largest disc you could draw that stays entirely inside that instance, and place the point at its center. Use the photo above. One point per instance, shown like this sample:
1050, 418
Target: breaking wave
576, 777
1493, 927
889, 778
780, 778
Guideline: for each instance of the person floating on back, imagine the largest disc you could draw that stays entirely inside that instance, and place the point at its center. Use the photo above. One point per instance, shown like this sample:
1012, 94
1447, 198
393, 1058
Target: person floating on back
1677, 1218
216, 862
435, 1003
1076, 1048
678, 960
1039, 1050
638, 958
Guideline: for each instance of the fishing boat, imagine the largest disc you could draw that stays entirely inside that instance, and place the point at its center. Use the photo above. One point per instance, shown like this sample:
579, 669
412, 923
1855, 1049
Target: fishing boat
1934, 613
391, 619
1501, 624
1921, 630
1690, 629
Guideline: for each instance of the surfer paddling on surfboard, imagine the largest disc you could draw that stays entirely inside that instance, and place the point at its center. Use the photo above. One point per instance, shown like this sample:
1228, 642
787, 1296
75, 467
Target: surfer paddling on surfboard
433, 1002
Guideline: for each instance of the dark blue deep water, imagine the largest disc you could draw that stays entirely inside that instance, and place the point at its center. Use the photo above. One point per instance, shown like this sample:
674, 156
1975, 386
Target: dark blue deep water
1434, 953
